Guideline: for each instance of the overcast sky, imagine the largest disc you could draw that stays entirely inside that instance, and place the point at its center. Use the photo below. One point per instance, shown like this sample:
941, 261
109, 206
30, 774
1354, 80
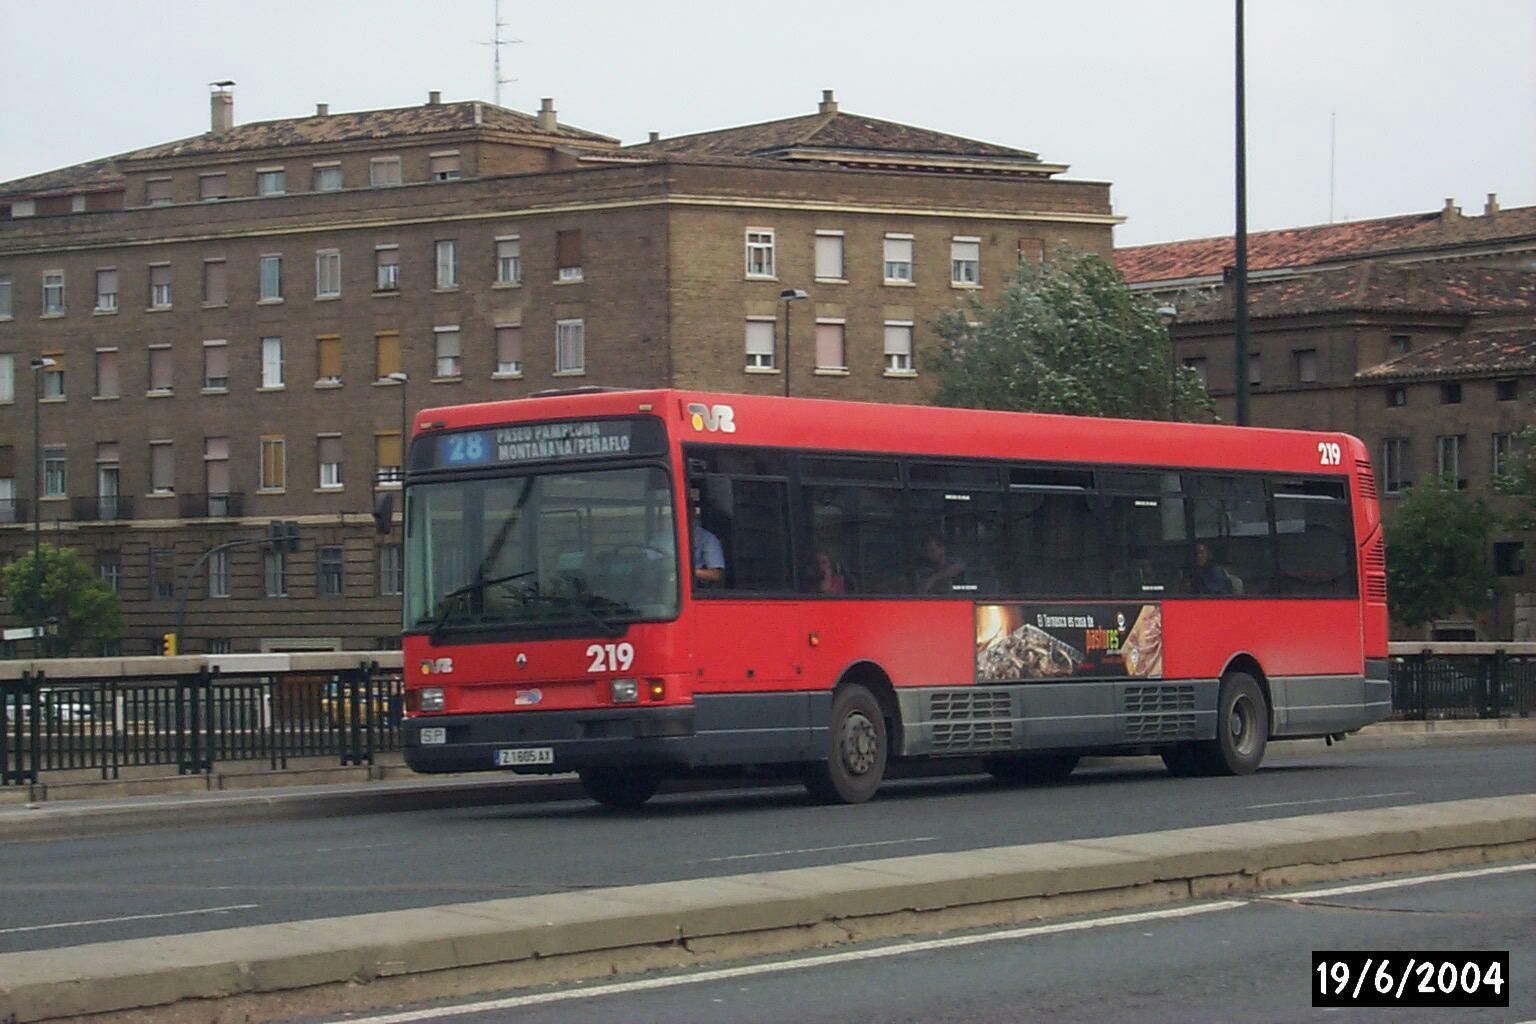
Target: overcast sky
1431, 98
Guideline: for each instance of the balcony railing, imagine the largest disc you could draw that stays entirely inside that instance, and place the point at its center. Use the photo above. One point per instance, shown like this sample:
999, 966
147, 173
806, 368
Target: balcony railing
210, 506
102, 508
388, 475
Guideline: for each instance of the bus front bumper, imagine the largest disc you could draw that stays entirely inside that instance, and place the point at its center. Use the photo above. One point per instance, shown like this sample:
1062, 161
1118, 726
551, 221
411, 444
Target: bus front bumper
548, 742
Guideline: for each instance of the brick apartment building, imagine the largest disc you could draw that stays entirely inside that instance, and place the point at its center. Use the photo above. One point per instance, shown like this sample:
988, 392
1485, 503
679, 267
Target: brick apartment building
214, 331
1417, 334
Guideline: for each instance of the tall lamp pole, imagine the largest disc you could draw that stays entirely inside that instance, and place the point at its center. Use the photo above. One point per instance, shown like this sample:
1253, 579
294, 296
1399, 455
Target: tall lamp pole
1168, 312
789, 295
402, 378
1240, 299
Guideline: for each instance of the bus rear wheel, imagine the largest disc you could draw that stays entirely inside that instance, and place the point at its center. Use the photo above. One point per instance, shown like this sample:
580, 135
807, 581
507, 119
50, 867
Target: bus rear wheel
623, 788
1242, 732
857, 749
1033, 768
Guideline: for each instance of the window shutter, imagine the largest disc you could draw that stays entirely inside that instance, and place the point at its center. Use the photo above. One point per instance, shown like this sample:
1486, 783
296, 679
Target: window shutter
509, 346
162, 464
7, 461
898, 340
829, 257
330, 449
387, 450
215, 292
829, 346
387, 354
159, 369
568, 248
107, 382
760, 338
215, 364
330, 358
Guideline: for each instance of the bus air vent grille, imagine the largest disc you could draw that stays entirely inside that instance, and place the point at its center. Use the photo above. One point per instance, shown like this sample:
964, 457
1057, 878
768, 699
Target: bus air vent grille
1367, 479
968, 720
1159, 712
1376, 571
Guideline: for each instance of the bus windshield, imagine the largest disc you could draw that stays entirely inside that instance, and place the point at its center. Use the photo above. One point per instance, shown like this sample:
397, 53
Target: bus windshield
592, 548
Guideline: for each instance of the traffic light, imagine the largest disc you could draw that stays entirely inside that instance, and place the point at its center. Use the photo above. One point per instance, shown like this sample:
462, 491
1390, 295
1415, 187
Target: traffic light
168, 645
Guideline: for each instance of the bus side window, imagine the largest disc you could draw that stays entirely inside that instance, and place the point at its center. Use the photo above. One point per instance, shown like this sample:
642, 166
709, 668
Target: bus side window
1055, 544
1148, 541
861, 527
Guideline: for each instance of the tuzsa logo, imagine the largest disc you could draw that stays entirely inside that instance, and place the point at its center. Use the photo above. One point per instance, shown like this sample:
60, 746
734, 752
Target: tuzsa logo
720, 418
440, 667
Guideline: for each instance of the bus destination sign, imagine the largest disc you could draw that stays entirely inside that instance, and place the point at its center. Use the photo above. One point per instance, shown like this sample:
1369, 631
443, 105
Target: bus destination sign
546, 442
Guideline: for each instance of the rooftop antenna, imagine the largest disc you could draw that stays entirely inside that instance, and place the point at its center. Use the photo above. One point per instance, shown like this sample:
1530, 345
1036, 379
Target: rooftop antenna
496, 43
1333, 133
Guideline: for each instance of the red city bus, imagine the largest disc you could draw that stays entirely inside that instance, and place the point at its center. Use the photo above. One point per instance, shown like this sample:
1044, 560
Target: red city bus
637, 584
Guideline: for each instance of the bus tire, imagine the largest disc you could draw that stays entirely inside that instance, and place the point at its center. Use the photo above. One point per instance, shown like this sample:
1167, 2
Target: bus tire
622, 788
857, 749
1183, 761
1242, 728
1039, 768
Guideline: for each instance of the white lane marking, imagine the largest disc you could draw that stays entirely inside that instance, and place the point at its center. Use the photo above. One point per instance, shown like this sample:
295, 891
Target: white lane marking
824, 960
816, 849
1398, 883
1328, 800
130, 917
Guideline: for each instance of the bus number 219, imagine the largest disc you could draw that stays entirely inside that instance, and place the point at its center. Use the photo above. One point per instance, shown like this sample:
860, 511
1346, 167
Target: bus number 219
610, 657
1329, 453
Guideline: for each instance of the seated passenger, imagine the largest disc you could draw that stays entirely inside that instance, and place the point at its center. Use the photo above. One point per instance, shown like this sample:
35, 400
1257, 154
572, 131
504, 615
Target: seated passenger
939, 570
826, 576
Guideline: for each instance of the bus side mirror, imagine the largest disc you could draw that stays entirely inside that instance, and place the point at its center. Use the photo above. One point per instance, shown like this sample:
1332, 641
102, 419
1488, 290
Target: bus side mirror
384, 513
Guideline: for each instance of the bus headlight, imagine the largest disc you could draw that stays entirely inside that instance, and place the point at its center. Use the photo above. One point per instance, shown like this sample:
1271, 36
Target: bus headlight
625, 691
432, 698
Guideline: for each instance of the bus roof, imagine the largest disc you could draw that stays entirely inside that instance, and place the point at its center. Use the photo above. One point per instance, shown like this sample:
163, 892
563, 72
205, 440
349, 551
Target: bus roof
844, 426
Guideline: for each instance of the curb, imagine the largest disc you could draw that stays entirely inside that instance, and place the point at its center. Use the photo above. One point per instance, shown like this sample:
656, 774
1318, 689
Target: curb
341, 963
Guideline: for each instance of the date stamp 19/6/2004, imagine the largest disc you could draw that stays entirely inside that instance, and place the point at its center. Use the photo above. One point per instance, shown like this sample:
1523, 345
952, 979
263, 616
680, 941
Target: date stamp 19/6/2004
1424, 978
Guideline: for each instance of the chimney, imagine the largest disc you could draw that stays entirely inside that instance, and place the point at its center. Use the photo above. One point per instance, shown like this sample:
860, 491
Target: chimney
1451, 211
828, 104
434, 98
655, 137
221, 104
1491, 207
322, 110
547, 121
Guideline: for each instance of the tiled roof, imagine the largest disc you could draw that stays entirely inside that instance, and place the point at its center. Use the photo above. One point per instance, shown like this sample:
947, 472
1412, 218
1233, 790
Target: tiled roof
96, 174
1324, 243
832, 131
1510, 350
1379, 286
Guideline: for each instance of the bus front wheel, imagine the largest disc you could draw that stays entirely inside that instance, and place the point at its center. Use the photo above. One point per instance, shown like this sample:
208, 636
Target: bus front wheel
623, 788
1242, 732
857, 750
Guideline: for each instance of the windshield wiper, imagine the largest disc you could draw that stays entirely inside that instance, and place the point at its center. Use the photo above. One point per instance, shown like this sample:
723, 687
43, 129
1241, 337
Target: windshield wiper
469, 588
583, 603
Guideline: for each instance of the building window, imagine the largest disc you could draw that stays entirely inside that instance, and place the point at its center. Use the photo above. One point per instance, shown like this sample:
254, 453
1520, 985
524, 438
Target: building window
275, 569
218, 574
1399, 345
760, 343
6, 307
1503, 448
271, 362
8, 485
162, 467
830, 353
570, 346
271, 181
106, 290
221, 645
108, 380
965, 262
328, 452
1448, 457
447, 263
1201, 368
1395, 470
215, 366
331, 572
109, 569
386, 457
446, 344
509, 260
160, 369
108, 480
159, 286
157, 191
391, 580
386, 354
274, 463
53, 293
898, 347
829, 256
1304, 365
23, 208
1397, 396
327, 177
213, 186
53, 377
384, 170
162, 573
328, 359
898, 259
760, 252
568, 256
1509, 557
55, 471
444, 166
328, 273
1506, 390
386, 268
1450, 392
215, 283
7, 378
216, 475
509, 350
271, 278
1255, 370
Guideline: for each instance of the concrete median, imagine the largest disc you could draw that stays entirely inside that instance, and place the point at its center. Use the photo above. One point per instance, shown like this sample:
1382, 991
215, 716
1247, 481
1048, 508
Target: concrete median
372, 960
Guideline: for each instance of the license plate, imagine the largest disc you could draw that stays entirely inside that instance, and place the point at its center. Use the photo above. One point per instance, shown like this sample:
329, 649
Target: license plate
434, 735
519, 756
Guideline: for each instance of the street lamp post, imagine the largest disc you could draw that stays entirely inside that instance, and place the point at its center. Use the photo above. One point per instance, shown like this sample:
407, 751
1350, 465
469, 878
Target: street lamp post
1167, 312
402, 378
787, 296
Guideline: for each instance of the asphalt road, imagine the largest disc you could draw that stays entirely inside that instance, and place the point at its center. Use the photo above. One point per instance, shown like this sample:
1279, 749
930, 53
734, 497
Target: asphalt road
1241, 960
67, 892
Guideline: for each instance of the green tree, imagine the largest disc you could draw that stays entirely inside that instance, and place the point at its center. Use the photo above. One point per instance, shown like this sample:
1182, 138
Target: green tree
1066, 336
59, 589
1519, 480
1436, 541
